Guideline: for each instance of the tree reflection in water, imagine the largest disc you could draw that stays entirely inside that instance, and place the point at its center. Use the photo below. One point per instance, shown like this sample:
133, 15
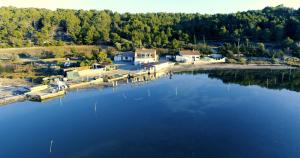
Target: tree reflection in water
272, 79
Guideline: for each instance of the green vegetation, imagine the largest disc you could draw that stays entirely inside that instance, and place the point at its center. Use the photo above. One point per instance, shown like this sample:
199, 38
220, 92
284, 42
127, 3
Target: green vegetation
41, 27
267, 36
10, 54
6, 68
97, 57
33, 64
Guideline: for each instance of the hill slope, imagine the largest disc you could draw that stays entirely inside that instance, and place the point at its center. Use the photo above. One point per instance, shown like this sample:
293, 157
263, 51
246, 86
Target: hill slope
41, 27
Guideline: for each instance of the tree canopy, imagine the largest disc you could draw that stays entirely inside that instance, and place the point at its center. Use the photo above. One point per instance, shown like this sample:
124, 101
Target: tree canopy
42, 27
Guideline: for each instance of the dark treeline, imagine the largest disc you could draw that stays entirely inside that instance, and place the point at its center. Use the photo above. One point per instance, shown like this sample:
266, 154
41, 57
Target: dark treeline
42, 27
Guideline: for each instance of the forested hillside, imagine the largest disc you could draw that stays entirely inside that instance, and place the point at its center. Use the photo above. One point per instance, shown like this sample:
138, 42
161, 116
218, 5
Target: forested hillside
41, 27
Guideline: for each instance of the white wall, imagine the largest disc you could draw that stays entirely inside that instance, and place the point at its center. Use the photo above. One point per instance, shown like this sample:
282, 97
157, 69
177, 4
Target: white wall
127, 59
210, 60
122, 58
138, 61
187, 58
118, 58
90, 72
162, 66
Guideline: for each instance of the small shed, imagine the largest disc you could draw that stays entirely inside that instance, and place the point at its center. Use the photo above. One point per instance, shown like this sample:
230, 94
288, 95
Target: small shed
188, 56
124, 56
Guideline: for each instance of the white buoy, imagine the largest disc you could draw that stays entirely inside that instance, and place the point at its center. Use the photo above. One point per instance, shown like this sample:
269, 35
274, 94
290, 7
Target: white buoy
60, 102
51, 143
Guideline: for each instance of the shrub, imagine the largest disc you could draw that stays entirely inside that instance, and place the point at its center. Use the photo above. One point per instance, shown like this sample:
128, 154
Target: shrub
242, 61
7, 68
231, 61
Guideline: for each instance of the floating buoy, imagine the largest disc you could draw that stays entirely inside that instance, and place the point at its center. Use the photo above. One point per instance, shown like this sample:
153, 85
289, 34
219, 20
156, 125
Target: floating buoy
60, 102
51, 143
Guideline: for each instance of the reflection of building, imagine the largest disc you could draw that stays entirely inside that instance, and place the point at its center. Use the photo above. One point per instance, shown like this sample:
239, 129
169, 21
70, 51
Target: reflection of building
188, 56
124, 56
142, 56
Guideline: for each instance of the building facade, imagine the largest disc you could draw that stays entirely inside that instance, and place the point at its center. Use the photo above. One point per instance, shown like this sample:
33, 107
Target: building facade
143, 56
124, 56
188, 56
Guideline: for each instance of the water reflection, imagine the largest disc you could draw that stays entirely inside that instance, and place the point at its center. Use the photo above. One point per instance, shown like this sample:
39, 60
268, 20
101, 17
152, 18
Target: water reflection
187, 116
272, 79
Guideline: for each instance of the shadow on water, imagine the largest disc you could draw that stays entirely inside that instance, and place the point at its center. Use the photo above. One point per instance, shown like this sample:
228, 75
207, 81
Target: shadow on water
271, 79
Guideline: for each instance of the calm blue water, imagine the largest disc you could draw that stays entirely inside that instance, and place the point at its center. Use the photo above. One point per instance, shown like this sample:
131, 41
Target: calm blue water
189, 116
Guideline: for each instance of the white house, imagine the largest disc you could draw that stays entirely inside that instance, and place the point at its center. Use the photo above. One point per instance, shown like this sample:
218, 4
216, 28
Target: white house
143, 56
188, 56
124, 56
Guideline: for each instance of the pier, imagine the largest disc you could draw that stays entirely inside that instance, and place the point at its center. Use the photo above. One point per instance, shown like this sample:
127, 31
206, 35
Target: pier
12, 99
45, 96
59, 87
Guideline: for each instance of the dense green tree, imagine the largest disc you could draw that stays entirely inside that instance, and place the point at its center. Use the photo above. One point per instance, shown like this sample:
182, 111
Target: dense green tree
287, 43
102, 58
296, 50
42, 27
175, 44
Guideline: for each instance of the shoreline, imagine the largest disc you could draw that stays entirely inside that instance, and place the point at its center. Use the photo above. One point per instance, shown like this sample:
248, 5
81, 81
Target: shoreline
175, 68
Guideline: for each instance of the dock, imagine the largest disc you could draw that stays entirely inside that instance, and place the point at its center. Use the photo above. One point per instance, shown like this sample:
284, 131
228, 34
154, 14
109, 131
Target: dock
76, 85
46, 92
12, 99
41, 96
